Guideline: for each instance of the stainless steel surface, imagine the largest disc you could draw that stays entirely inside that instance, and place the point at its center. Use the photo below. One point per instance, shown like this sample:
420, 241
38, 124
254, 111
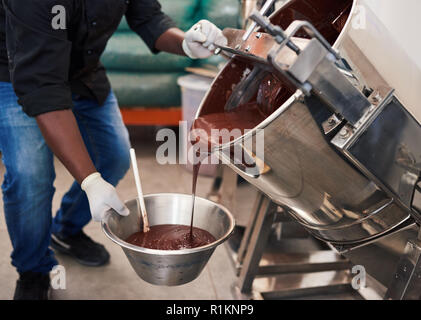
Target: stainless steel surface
255, 49
246, 89
263, 11
284, 264
247, 6
257, 45
170, 267
406, 284
332, 86
325, 292
392, 136
334, 199
399, 172
302, 267
381, 259
275, 31
331, 124
316, 69
348, 175
265, 216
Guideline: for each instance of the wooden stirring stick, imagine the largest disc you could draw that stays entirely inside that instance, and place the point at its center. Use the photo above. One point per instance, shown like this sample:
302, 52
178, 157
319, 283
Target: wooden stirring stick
140, 199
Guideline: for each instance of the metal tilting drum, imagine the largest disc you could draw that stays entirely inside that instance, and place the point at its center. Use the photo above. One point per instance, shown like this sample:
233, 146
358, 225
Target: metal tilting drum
342, 147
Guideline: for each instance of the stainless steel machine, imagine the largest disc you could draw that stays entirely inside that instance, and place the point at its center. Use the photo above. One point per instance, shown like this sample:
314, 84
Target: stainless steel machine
342, 147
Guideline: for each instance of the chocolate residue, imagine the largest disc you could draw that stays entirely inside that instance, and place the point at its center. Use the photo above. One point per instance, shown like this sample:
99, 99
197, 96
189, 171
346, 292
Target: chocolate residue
171, 237
243, 117
270, 95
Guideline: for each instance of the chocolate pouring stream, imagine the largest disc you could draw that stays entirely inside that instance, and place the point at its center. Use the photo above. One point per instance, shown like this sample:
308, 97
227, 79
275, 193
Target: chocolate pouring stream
244, 117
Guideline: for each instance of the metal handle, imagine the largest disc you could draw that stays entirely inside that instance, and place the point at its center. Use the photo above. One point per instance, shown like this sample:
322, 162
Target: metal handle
253, 26
274, 31
246, 166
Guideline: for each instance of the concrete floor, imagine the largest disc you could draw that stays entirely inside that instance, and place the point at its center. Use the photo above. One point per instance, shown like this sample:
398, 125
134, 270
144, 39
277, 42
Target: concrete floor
117, 280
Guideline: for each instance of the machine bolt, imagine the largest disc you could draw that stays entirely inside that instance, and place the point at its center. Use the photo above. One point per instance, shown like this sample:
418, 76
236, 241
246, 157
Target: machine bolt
331, 121
258, 35
344, 133
376, 97
248, 48
238, 46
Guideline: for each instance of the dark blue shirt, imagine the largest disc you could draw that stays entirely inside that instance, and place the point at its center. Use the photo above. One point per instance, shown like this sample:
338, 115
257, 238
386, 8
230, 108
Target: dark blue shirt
46, 65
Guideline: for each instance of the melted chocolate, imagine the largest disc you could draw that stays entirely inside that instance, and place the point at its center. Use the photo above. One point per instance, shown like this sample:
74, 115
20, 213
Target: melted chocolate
270, 95
247, 116
323, 14
329, 17
196, 168
244, 117
171, 237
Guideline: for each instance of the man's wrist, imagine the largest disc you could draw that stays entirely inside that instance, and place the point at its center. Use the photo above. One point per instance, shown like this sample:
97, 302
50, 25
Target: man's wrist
89, 179
187, 50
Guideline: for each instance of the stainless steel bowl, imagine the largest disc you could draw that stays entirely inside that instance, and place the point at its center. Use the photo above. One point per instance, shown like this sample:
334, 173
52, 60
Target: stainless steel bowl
170, 267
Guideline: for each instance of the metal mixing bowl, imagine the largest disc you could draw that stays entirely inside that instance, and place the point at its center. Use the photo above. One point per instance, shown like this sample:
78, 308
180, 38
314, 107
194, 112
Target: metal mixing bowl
170, 267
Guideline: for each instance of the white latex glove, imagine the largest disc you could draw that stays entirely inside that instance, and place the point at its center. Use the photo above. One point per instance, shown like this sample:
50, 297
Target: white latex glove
102, 196
199, 42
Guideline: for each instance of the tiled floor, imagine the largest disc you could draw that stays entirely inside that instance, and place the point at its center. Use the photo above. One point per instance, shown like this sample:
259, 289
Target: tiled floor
117, 280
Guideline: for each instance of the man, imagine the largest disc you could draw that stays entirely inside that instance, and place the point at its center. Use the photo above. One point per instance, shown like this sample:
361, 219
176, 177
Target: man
55, 99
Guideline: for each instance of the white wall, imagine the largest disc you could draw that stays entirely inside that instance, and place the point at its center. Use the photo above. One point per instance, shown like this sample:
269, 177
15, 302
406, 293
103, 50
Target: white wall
403, 20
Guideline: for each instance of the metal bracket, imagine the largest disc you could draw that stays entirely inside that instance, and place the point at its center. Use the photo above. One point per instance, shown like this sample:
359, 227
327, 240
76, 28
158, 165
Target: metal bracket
384, 145
315, 70
406, 283
331, 124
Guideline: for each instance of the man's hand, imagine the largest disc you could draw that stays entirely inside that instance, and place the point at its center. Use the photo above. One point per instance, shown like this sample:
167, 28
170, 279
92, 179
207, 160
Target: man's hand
200, 40
102, 196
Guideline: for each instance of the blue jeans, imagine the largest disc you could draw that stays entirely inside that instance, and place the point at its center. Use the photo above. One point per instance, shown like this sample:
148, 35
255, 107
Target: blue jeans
28, 183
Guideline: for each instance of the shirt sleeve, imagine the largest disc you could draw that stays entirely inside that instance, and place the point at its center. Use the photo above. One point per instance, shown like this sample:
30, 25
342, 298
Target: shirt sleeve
39, 55
146, 18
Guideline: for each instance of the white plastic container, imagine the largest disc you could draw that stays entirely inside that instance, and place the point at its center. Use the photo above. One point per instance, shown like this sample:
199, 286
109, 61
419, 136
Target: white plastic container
193, 90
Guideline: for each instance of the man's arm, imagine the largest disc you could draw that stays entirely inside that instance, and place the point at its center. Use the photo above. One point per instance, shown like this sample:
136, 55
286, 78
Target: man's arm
159, 32
39, 73
62, 135
171, 41
145, 17
39, 68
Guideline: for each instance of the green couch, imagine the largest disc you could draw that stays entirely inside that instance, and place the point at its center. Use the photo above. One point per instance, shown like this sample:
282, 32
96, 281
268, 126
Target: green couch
142, 79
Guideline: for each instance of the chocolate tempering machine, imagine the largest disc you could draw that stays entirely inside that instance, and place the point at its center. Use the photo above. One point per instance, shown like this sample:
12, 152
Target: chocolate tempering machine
342, 152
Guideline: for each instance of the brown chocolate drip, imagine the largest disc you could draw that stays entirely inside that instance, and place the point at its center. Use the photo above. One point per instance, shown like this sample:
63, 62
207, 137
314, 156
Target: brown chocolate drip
196, 168
270, 95
171, 237
244, 117
329, 17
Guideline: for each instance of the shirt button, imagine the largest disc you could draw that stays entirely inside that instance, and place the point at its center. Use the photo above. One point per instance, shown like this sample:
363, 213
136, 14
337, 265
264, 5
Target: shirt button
90, 52
127, 2
93, 23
